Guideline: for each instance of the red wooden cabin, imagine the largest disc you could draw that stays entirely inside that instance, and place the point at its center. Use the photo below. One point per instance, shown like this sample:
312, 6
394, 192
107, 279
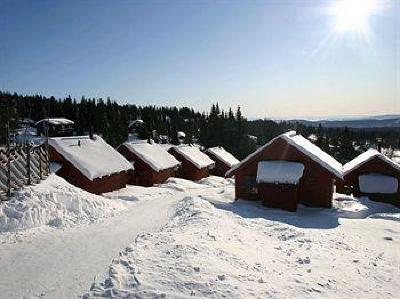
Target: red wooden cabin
314, 187
153, 164
195, 164
89, 163
223, 160
374, 175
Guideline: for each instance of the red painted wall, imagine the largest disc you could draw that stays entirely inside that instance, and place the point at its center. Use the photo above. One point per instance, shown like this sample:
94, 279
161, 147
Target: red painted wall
188, 170
375, 165
315, 187
220, 167
281, 196
144, 174
99, 185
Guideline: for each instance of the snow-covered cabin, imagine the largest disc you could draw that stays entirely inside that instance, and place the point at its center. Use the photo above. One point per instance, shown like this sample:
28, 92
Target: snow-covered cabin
195, 164
153, 163
374, 175
90, 163
56, 127
223, 160
286, 171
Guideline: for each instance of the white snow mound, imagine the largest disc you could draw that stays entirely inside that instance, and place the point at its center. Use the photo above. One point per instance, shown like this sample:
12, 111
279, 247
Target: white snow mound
253, 252
56, 203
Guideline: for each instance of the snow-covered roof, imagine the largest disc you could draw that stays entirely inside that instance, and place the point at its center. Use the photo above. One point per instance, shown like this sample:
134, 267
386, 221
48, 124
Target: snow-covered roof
304, 146
194, 155
378, 183
153, 154
223, 155
396, 156
279, 171
56, 121
312, 137
94, 158
365, 157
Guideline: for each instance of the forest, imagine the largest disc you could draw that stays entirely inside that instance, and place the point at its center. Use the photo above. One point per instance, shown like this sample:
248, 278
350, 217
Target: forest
218, 127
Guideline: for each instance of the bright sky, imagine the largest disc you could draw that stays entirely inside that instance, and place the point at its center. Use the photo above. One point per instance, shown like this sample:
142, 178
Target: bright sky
275, 58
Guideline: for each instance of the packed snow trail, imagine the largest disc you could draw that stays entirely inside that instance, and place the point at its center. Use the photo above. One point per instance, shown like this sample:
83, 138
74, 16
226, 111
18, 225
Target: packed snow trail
62, 263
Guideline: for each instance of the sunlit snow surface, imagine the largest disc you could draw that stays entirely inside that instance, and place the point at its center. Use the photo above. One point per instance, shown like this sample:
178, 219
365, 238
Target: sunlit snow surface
217, 248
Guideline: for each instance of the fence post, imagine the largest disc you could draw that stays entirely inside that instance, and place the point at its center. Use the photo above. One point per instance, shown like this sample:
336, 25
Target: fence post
8, 173
28, 164
8, 162
40, 165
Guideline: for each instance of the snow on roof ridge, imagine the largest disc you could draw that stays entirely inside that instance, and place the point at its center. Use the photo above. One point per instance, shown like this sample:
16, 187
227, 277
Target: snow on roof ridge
364, 158
255, 153
94, 158
316, 154
194, 155
153, 155
313, 151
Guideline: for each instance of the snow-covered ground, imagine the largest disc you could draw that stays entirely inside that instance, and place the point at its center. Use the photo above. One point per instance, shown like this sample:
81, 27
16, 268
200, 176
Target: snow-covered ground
183, 239
54, 202
243, 250
55, 238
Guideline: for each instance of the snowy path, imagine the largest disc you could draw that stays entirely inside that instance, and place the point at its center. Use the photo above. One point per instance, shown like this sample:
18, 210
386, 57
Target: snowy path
55, 263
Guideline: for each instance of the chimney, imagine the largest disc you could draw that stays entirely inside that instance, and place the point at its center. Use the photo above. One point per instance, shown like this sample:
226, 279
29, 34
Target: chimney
379, 144
91, 132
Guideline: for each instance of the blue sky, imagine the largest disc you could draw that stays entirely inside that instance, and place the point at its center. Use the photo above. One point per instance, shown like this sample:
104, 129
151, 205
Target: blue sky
274, 58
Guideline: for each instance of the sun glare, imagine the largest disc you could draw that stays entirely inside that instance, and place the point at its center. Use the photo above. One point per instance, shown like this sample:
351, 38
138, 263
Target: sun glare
352, 15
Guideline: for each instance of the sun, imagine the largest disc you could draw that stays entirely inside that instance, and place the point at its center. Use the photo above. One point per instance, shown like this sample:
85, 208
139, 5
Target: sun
352, 15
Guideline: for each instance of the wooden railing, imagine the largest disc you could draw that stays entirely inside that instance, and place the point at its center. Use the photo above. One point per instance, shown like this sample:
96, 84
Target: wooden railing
20, 166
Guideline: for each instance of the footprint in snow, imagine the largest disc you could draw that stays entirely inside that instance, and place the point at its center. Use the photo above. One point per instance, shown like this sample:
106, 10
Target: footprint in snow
304, 261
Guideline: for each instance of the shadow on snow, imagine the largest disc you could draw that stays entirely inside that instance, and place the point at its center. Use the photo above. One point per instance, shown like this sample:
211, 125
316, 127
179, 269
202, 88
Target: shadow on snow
318, 218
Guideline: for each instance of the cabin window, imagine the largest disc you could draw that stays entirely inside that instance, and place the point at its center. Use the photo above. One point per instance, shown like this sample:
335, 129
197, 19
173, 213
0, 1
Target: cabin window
250, 184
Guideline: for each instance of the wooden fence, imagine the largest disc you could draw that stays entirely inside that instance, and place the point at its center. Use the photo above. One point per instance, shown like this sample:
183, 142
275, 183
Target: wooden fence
20, 166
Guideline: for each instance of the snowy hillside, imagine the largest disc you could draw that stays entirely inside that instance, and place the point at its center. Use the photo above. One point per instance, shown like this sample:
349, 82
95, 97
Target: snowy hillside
243, 250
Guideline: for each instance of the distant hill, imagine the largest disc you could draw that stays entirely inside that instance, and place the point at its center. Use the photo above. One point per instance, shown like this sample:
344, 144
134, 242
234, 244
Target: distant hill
379, 121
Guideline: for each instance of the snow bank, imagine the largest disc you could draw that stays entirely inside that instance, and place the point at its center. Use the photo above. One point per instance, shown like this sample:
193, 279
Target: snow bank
54, 202
378, 183
211, 253
217, 181
364, 158
93, 157
194, 155
283, 172
223, 155
153, 154
138, 193
304, 146
187, 185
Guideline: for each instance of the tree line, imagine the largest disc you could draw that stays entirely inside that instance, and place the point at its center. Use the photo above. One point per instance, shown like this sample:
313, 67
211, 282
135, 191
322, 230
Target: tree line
228, 128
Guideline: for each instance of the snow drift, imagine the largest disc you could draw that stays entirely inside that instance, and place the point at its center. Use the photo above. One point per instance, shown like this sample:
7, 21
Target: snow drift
254, 252
56, 203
